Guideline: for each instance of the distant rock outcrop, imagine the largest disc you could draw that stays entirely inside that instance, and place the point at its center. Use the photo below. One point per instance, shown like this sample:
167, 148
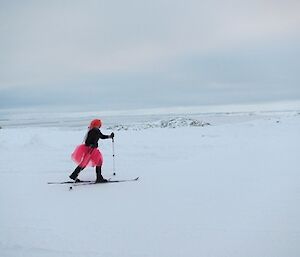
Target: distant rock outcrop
170, 123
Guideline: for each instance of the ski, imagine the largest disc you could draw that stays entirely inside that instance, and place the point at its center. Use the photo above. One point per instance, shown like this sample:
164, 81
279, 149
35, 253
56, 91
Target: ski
107, 182
69, 182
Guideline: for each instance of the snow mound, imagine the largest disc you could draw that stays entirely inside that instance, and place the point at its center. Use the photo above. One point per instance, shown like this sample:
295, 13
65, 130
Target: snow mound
169, 123
182, 122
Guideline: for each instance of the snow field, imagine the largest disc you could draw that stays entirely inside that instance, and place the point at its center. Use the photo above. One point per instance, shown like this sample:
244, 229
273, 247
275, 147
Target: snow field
230, 189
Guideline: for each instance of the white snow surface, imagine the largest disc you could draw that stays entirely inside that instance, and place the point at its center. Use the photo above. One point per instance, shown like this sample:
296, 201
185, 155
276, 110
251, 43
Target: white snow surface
228, 189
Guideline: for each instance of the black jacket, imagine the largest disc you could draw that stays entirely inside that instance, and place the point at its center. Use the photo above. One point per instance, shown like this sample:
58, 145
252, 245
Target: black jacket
93, 137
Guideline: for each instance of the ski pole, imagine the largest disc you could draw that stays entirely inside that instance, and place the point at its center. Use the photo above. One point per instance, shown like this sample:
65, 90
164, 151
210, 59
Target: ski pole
113, 154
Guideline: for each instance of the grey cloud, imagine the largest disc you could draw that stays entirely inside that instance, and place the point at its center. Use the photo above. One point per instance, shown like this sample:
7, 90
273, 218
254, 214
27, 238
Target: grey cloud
192, 52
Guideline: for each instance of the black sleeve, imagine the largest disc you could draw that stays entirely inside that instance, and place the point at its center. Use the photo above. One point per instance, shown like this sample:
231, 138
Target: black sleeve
103, 136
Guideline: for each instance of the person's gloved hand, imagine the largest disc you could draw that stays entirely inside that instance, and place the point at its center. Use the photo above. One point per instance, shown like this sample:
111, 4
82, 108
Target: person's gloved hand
112, 135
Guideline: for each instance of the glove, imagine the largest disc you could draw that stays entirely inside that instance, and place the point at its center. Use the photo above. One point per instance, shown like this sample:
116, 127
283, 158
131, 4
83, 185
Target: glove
112, 135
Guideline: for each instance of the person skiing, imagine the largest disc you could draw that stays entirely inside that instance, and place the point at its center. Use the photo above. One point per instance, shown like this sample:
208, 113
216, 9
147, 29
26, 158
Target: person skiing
88, 154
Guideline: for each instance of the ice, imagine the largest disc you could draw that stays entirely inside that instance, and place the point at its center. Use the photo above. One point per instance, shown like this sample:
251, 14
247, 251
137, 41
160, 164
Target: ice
169, 123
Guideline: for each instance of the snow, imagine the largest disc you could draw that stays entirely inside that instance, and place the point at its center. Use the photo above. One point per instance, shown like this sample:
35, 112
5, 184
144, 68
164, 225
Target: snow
230, 188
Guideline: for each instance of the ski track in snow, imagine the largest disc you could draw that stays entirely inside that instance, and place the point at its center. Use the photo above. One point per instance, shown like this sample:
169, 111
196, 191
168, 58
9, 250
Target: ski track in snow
230, 188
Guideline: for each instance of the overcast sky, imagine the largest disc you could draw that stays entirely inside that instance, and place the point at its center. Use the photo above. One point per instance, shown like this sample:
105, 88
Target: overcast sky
138, 53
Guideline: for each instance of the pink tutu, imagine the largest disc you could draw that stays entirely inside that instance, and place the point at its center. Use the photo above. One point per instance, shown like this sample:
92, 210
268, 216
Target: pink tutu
86, 156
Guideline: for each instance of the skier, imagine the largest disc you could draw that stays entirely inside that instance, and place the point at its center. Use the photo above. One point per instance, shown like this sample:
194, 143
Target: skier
87, 154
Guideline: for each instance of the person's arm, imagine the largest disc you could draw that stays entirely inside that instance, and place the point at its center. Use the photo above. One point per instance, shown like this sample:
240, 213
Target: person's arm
102, 136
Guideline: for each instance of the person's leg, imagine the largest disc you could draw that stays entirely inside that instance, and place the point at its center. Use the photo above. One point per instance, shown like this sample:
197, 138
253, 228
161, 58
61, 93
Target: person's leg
81, 166
75, 173
99, 177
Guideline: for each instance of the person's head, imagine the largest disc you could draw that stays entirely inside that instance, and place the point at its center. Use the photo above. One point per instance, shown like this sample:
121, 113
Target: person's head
95, 124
